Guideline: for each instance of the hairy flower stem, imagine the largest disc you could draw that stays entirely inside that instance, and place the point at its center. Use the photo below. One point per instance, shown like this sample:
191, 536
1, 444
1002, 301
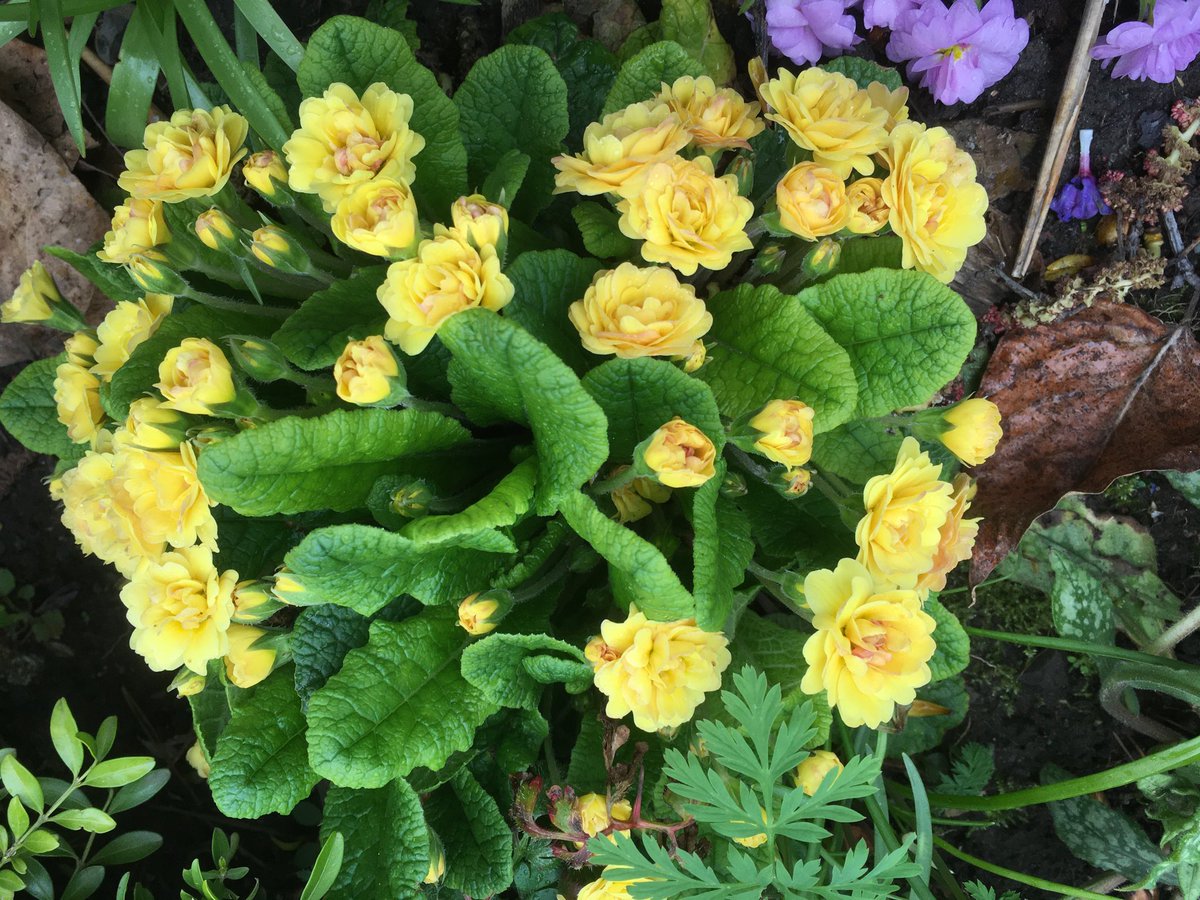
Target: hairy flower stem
1169, 639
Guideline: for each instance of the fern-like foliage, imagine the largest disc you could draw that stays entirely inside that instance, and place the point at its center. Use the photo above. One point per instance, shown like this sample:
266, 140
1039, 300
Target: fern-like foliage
970, 772
738, 790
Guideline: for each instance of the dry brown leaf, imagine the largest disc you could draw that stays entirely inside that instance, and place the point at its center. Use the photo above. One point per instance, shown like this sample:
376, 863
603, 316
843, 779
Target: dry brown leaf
1109, 391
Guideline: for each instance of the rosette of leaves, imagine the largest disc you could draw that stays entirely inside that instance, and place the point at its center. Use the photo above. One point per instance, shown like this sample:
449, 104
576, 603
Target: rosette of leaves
412, 722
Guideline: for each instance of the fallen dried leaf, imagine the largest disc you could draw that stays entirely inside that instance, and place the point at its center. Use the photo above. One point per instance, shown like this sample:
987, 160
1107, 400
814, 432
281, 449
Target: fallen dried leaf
1109, 391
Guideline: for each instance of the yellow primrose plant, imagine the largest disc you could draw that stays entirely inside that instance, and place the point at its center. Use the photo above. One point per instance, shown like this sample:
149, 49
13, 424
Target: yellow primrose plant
443, 438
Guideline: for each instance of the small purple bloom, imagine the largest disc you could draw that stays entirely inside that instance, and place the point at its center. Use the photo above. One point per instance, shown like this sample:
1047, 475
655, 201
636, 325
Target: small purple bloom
1157, 49
883, 13
961, 50
806, 30
1080, 198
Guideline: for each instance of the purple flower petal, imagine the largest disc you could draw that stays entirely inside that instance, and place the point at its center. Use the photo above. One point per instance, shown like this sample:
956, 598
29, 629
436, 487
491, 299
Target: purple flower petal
1155, 50
806, 30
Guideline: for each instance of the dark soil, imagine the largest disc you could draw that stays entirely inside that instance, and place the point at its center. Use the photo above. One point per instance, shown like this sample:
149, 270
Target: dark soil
1033, 707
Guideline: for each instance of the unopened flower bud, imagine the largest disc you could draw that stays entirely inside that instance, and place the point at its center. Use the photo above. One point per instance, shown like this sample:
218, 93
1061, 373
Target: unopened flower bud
274, 247
247, 662
259, 358
253, 602
480, 613
412, 500
152, 426
288, 590
437, 860
369, 373
481, 221
969, 429
81, 348
217, 231
768, 260
679, 455
37, 299
198, 760
265, 173
795, 482
823, 258
696, 358
782, 431
743, 168
186, 683
151, 273
810, 773
733, 485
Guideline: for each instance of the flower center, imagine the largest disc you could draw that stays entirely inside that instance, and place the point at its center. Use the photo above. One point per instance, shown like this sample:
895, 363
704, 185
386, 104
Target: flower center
957, 51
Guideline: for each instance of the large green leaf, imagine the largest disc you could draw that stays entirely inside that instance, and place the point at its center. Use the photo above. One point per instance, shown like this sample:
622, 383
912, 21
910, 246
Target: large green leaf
807, 531
501, 373
858, 450
210, 710
597, 223
387, 841
365, 568
640, 395
500, 666
864, 71
330, 462
643, 75
321, 638
1080, 604
647, 576
515, 99
261, 763
112, 280
250, 547
314, 336
28, 411
547, 282
477, 840
770, 347
721, 550
690, 23
359, 53
398, 703
907, 333
953, 646
506, 504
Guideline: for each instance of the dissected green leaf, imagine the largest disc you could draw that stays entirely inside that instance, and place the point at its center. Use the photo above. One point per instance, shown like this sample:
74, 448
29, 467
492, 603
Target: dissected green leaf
314, 336
387, 841
643, 75
953, 646
497, 665
477, 840
547, 282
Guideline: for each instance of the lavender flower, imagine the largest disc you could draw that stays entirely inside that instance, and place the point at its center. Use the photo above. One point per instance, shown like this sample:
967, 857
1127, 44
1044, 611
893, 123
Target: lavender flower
806, 30
961, 50
1157, 49
883, 13
1080, 198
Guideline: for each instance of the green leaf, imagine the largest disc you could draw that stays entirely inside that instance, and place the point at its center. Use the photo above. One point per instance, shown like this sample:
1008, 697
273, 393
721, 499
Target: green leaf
506, 504
134, 77
21, 783
359, 53
496, 665
127, 848
769, 346
553, 32
907, 333
91, 820
514, 99
115, 773
261, 763
857, 450
140, 791
251, 547
63, 734
1079, 603
925, 732
642, 76
83, 883
210, 710
547, 282
40, 842
398, 703
721, 551
598, 228
112, 280
325, 870
273, 102
365, 568
639, 396
589, 70
28, 411
477, 840
321, 638
314, 336
1187, 483
864, 71
330, 462
953, 646
506, 177
690, 24
861, 254
501, 373
651, 582
387, 842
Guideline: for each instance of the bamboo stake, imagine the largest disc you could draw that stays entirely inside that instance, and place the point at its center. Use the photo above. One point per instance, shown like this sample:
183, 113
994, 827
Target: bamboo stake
1061, 133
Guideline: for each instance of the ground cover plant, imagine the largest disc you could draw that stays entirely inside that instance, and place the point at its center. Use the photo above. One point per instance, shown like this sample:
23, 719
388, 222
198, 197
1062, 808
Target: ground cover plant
559, 490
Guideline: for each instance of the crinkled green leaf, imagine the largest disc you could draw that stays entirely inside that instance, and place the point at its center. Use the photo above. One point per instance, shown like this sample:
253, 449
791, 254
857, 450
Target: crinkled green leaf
365, 568
806, 533
398, 703
953, 646
514, 99
477, 840
864, 71
28, 411
321, 638
721, 550
501, 373
495, 665
598, 228
858, 450
1080, 604
547, 282
690, 23
769, 346
863, 253
261, 763
506, 177
329, 462
359, 53
210, 710
907, 333
589, 70
640, 395
506, 504
112, 280
251, 547
643, 75
314, 336
651, 582
553, 32
387, 841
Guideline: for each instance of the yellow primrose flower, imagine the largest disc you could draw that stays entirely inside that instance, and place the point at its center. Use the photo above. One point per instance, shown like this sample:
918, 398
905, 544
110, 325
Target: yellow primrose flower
151, 426
716, 118
482, 221
905, 511
871, 647
344, 141
956, 539
634, 311
80, 347
198, 760
934, 202
378, 217
895, 103
195, 377
619, 148
77, 399
137, 226
180, 607
190, 155
603, 889
973, 430
34, 299
366, 371
633, 500
812, 201
127, 325
246, 666
827, 113
447, 276
810, 773
98, 512
786, 431
868, 211
680, 455
594, 813
263, 171
165, 495
659, 671
686, 216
